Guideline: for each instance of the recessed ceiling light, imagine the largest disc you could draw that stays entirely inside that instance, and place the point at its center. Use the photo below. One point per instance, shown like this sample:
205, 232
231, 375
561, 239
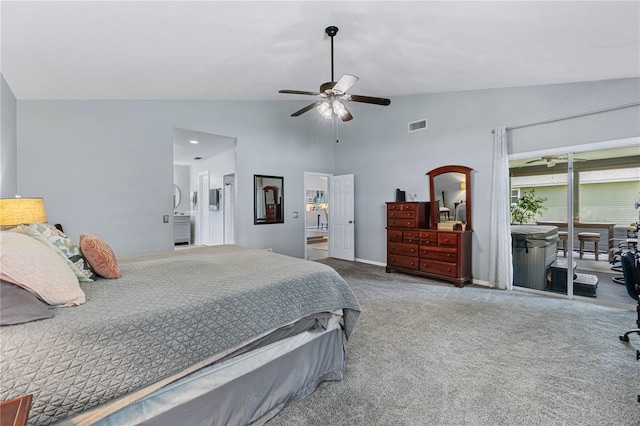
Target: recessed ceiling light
194, 142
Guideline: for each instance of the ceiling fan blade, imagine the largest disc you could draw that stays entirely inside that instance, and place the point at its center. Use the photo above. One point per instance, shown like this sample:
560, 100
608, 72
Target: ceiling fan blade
346, 116
345, 83
305, 109
298, 92
369, 100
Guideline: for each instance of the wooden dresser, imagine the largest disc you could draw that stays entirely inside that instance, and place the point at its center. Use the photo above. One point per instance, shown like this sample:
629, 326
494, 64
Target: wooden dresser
414, 248
273, 213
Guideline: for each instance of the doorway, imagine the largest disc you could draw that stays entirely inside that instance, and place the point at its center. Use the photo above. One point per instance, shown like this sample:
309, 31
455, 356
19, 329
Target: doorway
316, 215
204, 164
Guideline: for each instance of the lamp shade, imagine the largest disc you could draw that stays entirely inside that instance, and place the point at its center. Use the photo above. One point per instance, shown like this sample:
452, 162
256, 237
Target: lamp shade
17, 211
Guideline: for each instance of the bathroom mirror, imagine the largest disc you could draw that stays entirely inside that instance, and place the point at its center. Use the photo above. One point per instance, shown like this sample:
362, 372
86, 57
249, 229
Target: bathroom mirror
268, 199
176, 196
450, 192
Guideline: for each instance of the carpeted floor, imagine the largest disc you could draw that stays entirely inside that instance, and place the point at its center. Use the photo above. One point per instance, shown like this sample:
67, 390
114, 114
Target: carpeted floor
427, 353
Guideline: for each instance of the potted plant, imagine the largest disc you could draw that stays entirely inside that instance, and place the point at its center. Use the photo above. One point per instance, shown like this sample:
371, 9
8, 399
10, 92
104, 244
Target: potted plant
527, 207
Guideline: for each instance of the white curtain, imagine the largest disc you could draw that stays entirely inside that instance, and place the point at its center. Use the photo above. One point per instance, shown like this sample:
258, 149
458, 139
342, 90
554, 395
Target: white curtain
500, 260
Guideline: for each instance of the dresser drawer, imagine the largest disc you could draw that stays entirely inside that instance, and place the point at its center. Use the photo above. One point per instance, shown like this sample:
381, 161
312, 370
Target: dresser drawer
394, 235
428, 238
411, 236
404, 214
401, 223
402, 207
447, 239
403, 249
439, 253
437, 267
403, 262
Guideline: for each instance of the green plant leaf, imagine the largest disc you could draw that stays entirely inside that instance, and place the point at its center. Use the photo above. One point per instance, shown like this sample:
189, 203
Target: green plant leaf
527, 207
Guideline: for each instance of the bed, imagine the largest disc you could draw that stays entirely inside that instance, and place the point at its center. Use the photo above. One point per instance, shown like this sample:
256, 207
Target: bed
209, 335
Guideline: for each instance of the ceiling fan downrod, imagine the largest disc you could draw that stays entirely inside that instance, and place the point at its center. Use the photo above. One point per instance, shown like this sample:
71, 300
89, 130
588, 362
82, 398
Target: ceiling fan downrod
331, 32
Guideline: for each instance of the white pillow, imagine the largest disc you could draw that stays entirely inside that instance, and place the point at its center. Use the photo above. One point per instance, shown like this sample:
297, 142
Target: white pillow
32, 265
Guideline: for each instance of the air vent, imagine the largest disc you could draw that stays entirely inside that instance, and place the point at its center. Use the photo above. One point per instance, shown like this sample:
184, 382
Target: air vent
418, 125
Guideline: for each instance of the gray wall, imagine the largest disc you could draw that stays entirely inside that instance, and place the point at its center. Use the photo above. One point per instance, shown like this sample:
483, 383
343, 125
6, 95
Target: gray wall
378, 149
8, 142
106, 167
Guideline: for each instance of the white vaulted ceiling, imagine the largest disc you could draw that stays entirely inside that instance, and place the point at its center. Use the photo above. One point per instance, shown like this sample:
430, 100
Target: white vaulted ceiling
213, 50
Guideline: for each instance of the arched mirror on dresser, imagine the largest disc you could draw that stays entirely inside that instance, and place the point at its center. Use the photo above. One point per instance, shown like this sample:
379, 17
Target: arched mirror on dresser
450, 195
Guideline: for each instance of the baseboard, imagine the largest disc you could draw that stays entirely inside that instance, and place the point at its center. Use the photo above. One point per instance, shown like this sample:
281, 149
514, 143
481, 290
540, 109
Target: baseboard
482, 283
370, 262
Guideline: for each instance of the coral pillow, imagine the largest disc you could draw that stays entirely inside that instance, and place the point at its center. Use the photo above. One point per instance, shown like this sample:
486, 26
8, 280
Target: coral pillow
32, 265
100, 256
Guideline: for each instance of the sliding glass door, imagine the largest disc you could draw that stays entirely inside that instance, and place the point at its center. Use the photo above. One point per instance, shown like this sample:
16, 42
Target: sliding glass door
539, 194
590, 197
607, 186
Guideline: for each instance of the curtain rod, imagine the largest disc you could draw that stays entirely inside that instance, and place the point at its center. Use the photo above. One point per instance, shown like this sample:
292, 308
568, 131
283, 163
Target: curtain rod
572, 116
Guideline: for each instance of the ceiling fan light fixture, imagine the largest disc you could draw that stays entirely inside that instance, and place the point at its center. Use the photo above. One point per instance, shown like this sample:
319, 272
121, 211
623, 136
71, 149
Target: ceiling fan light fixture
325, 110
339, 108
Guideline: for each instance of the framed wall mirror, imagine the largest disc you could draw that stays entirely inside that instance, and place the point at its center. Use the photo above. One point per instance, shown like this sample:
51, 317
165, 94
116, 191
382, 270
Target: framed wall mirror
268, 199
450, 192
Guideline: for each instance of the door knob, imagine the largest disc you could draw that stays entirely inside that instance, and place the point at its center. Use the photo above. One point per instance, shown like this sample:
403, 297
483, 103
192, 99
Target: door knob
350, 221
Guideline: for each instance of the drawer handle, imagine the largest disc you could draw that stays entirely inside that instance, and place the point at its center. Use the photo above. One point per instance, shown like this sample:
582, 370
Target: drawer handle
413, 250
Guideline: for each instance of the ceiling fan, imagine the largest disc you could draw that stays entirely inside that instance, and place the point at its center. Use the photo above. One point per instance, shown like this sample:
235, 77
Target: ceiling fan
552, 160
333, 94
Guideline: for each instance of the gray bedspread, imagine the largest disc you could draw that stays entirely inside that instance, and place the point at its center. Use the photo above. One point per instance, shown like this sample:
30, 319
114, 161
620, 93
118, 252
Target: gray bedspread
167, 312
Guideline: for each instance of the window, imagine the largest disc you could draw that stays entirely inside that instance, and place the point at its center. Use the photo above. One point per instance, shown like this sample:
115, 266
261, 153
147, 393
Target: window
515, 194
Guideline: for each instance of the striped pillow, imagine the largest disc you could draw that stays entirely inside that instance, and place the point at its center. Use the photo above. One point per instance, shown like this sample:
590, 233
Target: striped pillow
100, 256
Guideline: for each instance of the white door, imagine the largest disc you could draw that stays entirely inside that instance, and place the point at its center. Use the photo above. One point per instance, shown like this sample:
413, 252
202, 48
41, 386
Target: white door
229, 206
202, 219
341, 218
